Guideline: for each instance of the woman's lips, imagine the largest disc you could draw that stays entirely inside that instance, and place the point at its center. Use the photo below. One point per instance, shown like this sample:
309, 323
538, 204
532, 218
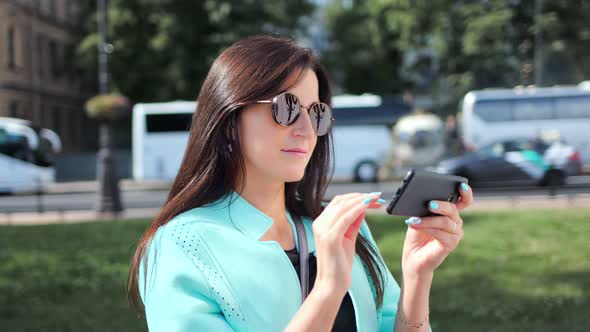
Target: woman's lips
295, 152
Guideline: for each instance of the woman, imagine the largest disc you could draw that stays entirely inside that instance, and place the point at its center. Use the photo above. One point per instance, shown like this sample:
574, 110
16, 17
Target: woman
222, 254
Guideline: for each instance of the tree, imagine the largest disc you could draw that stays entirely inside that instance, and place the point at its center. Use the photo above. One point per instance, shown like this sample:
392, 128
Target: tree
163, 49
477, 44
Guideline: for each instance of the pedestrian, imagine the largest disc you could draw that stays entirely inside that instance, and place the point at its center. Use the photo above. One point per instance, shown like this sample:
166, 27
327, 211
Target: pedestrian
244, 242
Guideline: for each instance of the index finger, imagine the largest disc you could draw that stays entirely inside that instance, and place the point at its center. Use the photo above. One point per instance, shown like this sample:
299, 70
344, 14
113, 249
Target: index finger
466, 196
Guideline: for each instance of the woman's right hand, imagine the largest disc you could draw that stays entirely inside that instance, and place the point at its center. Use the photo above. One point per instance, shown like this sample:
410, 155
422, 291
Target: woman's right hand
335, 231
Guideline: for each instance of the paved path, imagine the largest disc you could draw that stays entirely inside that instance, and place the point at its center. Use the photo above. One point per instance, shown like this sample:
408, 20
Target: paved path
488, 204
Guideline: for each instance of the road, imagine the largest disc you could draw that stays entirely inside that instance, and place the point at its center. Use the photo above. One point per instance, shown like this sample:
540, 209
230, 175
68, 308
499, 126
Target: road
156, 198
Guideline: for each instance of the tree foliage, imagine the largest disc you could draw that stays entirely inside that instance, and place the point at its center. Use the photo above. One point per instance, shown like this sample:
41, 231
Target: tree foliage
164, 48
379, 45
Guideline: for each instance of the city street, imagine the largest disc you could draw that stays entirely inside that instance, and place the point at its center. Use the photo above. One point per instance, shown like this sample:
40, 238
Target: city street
154, 197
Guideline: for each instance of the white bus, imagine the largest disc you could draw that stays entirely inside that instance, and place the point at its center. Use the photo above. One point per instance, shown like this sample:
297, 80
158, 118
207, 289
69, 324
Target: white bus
26, 156
491, 115
362, 136
159, 137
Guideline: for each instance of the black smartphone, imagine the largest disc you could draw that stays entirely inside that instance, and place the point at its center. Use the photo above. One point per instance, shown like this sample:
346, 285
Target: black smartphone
418, 188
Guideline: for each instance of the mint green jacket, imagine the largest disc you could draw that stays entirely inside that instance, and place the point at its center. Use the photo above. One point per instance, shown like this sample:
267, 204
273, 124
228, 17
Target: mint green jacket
206, 270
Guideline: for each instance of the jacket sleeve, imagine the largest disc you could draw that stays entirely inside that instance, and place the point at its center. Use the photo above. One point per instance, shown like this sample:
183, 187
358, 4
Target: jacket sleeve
175, 292
387, 313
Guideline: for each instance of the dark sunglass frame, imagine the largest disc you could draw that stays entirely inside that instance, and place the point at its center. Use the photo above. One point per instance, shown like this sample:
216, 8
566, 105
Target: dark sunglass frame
274, 103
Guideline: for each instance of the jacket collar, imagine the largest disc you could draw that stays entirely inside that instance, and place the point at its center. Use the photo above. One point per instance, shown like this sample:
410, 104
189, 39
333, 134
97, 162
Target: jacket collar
253, 222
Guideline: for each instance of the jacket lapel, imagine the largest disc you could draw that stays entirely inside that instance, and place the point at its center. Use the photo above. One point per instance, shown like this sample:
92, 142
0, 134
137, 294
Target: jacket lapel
242, 214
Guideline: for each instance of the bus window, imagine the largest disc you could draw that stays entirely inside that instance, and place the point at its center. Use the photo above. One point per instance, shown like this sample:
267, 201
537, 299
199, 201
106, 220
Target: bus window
161, 123
530, 109
493, 111
14, 145
572, 107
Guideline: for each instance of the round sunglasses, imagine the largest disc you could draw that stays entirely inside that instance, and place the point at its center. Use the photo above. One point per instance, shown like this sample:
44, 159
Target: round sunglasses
286, 109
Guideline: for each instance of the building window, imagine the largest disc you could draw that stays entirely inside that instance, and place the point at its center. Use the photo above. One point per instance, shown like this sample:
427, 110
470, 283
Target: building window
69, 58
41, 55
71, 11
13, 109
56, 125
54, 59
52, 7
42, 116
10, 47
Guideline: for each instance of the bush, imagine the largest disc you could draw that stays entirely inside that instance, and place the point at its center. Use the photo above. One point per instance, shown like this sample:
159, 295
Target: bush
107, 107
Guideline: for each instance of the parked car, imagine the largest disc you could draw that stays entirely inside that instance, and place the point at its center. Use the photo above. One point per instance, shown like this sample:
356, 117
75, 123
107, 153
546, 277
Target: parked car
516, 161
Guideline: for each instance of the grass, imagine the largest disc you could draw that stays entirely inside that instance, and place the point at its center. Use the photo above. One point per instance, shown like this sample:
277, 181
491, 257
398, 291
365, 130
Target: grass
515, 271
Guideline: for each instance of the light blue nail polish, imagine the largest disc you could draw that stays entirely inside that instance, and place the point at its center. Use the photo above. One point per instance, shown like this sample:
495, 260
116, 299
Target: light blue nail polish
413, 221
375, 193
381, 200
367, 200
433, 205
464, 187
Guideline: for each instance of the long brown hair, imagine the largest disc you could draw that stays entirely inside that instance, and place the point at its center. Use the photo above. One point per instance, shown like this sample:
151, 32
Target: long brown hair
252, 69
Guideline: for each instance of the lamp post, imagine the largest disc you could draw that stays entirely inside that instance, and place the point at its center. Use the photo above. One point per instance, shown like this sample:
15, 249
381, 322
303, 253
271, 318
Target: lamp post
108, 194
538, 69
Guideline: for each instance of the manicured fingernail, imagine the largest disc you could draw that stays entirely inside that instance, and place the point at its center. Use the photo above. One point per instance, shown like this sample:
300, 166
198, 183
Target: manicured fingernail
381, 200
433, 205
367, 200
413, 221
375, 193
465, 187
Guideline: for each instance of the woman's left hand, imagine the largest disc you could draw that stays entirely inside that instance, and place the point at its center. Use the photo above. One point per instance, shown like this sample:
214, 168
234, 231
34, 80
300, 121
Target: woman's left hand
430, 240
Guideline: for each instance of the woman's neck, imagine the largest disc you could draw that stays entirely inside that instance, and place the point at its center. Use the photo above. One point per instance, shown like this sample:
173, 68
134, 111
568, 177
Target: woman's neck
268, 198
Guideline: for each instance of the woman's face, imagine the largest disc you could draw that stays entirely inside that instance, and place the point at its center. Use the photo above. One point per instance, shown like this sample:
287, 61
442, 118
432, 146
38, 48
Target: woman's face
266, 144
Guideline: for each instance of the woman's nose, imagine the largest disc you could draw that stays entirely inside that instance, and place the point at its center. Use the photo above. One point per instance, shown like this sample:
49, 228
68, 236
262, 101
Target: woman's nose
303, 125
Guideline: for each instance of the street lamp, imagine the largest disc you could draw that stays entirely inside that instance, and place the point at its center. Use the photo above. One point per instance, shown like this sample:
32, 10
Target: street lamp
108, 194
538, 43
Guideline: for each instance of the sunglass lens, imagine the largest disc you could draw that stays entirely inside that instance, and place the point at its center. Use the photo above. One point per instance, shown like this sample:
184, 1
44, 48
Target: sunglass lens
286, 109
320, 115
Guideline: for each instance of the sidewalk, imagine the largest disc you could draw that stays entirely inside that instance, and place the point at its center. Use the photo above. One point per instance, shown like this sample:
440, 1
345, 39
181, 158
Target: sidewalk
69, 217
91, 186
484, 204
124, 185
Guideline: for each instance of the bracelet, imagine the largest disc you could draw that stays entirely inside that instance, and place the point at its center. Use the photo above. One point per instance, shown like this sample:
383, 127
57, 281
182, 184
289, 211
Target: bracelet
407, 323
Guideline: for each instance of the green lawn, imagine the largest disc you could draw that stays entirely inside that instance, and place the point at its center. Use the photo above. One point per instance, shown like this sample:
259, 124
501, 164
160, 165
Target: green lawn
515, 271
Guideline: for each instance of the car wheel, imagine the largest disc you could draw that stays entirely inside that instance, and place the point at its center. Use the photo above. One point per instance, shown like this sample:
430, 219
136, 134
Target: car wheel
366, 171
553, 177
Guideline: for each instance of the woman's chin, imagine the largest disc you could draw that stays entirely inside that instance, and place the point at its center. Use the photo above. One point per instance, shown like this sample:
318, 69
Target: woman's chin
294, 176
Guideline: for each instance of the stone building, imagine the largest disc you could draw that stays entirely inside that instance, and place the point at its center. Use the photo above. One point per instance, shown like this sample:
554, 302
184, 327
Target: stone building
37, 80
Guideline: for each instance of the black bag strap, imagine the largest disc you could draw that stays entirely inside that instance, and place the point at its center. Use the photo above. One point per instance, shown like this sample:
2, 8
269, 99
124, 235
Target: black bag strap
303, 257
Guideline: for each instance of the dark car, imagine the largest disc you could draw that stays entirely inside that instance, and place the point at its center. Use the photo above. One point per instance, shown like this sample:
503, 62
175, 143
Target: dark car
515, 161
